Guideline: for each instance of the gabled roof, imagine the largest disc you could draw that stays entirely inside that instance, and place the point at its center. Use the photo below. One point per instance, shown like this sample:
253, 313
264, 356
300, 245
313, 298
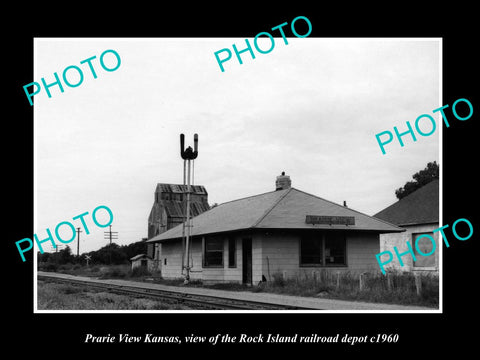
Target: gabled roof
140, 256
419, 207
282, 209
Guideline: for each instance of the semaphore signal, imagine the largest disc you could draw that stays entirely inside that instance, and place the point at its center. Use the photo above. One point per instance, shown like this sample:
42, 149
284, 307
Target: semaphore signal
188, 155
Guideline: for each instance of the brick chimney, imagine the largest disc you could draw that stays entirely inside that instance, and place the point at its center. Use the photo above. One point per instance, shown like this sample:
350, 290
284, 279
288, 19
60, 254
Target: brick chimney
283, 182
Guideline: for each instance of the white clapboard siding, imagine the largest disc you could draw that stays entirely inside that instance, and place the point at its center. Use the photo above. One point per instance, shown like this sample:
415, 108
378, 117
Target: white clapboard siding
283, 253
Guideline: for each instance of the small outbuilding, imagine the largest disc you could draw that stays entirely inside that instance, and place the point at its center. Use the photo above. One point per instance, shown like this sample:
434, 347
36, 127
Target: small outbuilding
144, 261
418, 214
286, 231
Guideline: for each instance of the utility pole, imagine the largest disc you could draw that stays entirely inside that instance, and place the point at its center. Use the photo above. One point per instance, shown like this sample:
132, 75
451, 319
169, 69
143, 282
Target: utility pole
109, 235
78, 240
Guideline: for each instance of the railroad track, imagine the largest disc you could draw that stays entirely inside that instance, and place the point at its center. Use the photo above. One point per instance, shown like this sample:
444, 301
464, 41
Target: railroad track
175, 297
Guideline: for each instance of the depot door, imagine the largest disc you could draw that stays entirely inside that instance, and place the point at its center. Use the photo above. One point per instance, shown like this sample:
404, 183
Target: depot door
247, 261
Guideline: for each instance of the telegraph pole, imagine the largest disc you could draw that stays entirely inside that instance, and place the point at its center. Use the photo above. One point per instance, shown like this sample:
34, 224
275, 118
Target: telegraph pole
109, 235
78, 240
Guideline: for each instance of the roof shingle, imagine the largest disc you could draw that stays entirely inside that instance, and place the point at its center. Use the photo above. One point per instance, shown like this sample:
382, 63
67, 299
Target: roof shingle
419, 207
282, 209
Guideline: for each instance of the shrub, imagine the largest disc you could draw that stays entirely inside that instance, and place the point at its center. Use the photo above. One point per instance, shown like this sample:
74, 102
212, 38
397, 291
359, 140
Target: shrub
65, 267
114, 272
278, 280
195, 282
48, 267
140, 271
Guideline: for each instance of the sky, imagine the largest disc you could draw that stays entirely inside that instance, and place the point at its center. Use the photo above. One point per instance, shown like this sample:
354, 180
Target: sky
310, 108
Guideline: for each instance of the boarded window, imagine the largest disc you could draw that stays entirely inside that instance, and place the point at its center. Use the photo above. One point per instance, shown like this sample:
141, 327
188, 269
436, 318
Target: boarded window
426, 246
213, 254
311, 251
232, 262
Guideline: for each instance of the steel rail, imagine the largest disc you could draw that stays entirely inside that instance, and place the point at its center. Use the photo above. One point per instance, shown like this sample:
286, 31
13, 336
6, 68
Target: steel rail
196, 300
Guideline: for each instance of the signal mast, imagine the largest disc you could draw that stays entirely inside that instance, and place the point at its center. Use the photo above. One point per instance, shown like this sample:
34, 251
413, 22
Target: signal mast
188, 155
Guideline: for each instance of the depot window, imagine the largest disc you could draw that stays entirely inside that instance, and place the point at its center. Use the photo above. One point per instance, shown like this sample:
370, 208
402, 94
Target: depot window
327, 249
213, 252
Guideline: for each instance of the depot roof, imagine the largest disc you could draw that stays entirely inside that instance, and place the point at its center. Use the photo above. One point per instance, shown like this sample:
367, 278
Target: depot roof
281, 209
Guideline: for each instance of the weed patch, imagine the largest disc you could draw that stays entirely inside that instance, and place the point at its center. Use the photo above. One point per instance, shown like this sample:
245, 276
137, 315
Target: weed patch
55, 296
397, 288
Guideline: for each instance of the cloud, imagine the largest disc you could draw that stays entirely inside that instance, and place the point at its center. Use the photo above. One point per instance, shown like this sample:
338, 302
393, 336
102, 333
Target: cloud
311, 108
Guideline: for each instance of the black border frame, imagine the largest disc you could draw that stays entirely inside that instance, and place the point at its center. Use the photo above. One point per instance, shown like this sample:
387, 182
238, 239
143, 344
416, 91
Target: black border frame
429, 334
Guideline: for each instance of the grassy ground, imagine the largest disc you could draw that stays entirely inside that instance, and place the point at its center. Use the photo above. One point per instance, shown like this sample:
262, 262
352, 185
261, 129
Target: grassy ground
402, 288
55, 296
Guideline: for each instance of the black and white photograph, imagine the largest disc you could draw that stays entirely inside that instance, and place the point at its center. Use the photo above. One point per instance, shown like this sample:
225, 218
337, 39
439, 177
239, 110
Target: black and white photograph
264, 182
266, 179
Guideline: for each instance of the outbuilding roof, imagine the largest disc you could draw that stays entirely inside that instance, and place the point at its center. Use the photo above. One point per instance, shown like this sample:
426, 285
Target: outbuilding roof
281, 209
419, 207
140, 256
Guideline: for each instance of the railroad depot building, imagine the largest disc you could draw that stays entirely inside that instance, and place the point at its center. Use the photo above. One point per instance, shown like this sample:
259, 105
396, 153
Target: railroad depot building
286, 231
417, 213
